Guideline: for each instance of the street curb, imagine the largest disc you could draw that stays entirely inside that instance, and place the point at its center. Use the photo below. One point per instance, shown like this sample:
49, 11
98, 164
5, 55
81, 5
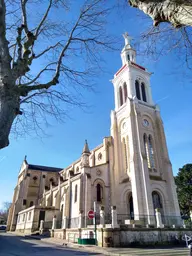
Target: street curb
76, 246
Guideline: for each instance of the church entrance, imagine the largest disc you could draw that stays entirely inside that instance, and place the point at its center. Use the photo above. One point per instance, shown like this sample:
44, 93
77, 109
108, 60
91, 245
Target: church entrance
130, 207
41, 217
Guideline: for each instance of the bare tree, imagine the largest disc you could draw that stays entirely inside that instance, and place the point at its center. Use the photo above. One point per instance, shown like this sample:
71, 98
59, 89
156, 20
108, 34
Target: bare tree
156, 42
46, 56
176, 12
4, 212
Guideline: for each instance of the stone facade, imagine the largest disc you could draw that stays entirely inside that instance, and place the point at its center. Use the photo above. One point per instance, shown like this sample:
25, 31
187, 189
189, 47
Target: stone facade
131, 169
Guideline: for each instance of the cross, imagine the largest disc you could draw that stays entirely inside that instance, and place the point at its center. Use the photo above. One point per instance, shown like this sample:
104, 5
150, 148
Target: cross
127, 38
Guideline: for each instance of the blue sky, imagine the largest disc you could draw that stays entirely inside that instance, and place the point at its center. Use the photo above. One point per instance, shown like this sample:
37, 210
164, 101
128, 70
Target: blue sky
64, 143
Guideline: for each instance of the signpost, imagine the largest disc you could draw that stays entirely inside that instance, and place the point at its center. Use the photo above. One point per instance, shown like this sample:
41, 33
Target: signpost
95, 210
91, 214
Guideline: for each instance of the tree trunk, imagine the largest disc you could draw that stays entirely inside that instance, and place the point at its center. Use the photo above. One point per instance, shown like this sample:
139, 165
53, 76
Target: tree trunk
9, 107
177, 12
9, 99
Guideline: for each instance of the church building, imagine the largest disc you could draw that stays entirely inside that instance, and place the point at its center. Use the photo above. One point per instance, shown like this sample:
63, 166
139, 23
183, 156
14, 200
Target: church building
130, 169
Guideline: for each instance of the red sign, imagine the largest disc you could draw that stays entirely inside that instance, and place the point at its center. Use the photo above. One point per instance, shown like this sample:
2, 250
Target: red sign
91, 214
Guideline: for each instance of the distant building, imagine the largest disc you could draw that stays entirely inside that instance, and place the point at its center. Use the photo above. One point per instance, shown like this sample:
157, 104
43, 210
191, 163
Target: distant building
131, 169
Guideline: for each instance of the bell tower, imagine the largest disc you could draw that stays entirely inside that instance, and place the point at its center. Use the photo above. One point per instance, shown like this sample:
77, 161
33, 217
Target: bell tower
131, 80
142, 170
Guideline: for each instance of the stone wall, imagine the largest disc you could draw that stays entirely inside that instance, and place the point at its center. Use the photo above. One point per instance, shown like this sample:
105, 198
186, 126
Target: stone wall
72, 235
108, 237
142, 237
59, 234
28, 219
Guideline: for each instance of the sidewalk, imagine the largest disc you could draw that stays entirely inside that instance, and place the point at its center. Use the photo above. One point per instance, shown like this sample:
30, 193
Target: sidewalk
112, 251
122, 251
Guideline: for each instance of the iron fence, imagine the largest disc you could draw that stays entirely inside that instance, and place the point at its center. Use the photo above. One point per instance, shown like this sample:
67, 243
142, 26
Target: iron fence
108, 219
125, 219
171, 220
73, 222
140, 220
47, 225
58, 224
90, 222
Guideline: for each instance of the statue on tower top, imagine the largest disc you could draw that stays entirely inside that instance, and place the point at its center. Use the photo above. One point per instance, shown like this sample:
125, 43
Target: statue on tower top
127, 39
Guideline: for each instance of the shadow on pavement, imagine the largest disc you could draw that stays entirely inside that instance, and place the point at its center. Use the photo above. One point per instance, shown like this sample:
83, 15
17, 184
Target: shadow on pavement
20, 246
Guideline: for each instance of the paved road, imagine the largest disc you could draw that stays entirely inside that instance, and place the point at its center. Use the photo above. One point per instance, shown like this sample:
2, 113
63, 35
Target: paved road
11, 245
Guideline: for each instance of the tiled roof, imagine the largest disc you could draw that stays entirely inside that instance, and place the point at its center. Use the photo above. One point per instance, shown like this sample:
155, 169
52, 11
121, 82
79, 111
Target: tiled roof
44, 168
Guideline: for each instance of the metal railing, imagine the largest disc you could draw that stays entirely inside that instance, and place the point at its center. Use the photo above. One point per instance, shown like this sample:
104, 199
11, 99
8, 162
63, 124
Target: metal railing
171, 220
73, 222
47, 225
140, 221
108, 219
59, 224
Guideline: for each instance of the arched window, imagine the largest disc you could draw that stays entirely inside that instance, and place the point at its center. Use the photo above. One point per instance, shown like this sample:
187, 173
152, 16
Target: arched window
100, 156
99, 193
137, 90
156, 200
31, 204
121, 96
143, 92
62, 208
128, 57
125, 153
151, 152
125, 91
145, 140
35, 179
75, 200
29, 216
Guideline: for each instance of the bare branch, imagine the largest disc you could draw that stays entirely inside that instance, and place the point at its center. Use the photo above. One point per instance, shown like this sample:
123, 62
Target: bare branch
46, 50
24, 16
44, 18
177, 12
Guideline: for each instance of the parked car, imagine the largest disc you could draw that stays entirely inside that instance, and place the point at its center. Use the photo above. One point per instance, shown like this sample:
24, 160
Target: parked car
3, 227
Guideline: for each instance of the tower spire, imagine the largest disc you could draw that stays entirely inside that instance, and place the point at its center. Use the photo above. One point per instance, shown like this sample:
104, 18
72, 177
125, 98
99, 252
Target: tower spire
86, 148
85, 155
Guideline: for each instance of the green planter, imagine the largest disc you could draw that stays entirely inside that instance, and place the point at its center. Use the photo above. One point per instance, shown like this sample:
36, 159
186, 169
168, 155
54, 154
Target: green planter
86, 241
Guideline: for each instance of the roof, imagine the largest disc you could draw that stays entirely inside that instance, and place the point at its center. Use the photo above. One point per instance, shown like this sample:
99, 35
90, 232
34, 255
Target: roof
44, 168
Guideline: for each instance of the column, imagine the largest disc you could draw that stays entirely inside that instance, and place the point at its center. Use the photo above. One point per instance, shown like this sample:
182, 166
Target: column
54, 223
114, 223
80, 225
102, 217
